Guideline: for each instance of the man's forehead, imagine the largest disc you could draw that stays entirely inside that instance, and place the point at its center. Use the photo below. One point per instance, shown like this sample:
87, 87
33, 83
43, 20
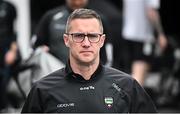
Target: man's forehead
84, 20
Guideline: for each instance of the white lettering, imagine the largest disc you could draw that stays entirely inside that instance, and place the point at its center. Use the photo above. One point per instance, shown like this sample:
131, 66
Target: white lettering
87, 88
65, 105
116, 87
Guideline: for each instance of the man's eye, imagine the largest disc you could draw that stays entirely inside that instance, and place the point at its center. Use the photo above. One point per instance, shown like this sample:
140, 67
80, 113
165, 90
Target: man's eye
79, 35
92, 35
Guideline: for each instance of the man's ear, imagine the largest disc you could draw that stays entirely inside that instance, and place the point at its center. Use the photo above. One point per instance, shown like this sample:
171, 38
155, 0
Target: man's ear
66, 40
103, 38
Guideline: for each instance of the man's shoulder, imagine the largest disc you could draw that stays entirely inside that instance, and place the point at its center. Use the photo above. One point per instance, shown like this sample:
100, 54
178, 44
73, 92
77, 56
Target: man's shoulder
56, 10
60, 11
115, 73
123, 79
8, 6
51, 79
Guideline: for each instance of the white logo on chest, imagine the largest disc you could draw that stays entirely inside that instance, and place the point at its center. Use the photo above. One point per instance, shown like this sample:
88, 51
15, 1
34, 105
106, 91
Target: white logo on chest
87, 88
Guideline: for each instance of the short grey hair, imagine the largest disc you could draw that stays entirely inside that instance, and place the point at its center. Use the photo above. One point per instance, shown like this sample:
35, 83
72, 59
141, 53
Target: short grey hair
83, 13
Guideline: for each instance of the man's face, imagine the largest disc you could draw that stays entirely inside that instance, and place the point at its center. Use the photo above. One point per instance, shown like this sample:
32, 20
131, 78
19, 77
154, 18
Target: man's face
85, 51
75, 4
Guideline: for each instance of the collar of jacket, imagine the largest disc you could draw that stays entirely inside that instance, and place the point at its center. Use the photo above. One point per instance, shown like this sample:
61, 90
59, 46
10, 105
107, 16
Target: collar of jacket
74, 76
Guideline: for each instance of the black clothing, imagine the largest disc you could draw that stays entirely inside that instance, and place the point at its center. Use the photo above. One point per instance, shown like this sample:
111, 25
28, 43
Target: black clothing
50, 32
108, 90
7, 36
7, 17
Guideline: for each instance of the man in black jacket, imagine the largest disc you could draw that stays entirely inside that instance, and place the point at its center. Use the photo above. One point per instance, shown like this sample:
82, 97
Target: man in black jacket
85, 85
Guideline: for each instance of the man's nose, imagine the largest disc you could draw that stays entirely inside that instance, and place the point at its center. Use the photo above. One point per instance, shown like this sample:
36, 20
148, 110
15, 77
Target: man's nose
86, 41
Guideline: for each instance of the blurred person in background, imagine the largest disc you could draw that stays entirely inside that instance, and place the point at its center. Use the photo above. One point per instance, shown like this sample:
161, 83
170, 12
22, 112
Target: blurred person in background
141, 21
49, 32
8, 48
50, 53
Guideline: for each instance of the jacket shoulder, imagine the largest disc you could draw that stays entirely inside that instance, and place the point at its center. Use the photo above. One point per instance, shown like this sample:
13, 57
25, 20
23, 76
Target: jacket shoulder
51, 79
124, 80
116, 74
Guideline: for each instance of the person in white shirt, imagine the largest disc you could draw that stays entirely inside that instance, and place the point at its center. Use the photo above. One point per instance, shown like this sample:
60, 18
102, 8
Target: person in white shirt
140, 20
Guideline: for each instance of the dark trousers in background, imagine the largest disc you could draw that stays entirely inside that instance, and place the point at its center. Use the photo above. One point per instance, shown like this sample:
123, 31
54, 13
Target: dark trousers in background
4, 79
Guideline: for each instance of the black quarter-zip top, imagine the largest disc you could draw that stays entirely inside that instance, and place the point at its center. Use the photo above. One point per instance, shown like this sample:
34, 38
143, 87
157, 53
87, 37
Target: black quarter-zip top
107, 91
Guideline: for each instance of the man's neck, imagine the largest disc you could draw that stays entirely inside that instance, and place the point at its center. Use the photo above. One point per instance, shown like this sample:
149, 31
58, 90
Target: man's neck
85, 70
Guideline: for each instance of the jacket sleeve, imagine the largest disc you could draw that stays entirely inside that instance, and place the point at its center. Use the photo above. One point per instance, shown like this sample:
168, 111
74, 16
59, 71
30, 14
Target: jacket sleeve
33, 102
141, 101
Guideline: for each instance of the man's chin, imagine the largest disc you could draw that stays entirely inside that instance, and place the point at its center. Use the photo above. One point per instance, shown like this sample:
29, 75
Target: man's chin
86, 62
